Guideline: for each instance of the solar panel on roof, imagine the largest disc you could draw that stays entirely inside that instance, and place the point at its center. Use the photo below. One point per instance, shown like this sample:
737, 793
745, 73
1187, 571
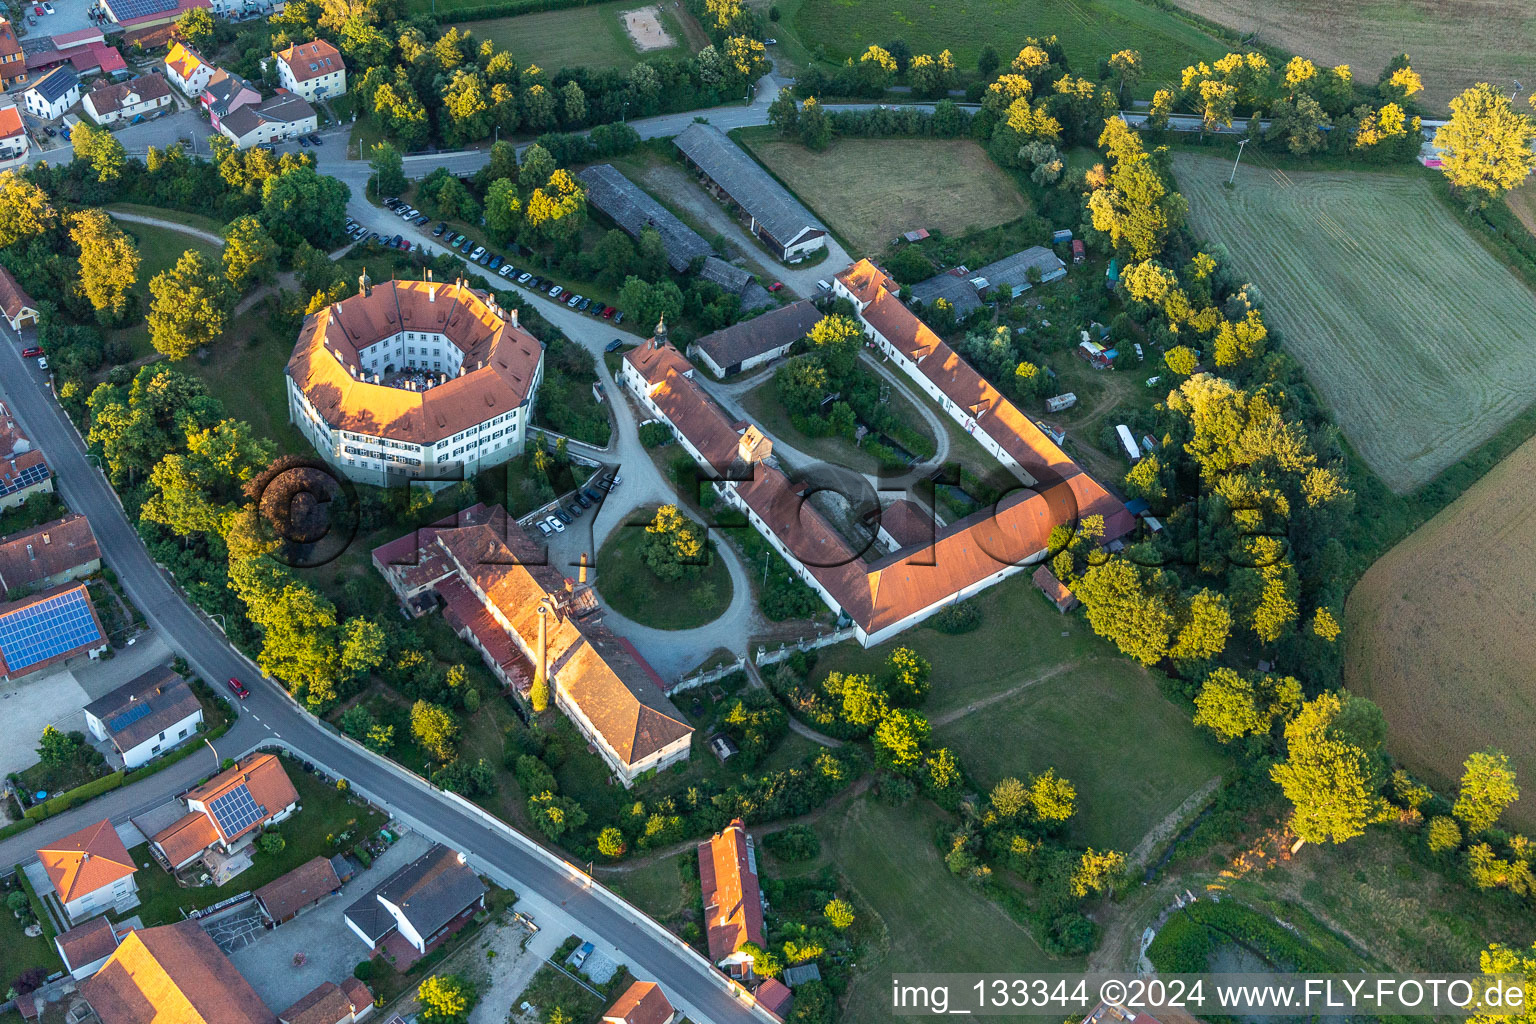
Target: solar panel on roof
47, 629
34, 474
236, 810
127, 9
127, 718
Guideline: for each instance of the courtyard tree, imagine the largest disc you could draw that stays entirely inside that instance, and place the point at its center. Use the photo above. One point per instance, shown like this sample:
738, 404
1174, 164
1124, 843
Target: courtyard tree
1486, 144
446, 999
434, 728
195, 28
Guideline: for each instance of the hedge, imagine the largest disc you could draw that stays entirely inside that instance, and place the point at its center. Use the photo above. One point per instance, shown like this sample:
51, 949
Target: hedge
508, 9
38, 910
79, 795
17, 827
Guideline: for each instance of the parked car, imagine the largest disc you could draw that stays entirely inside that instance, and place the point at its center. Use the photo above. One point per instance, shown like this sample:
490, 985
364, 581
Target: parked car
555, 524
303, 142
613, 346
28, 353
572, 301
582, 952
506, 270
554, 291
544, 528
524, 277
776, 286
468, 244
564, 516
409, 213
608, 312
479, 251
455, 239
42, 362
584, 305
315, 140
38, 10
605, 484
495, 262
405, 243
437, 232
582, 501
823, 286
575, 510
421, 219
592, 496
391, 203
618, 317
239, 688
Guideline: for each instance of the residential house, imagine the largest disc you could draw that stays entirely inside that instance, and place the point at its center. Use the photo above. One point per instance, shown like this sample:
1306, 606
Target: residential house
47, 628
225, 813
174, 974
50, 96
146, 716
275, 119
85, 50
20, 310
85, 948
91, 872
186, 69
423, 902
288, 896
313, 70
13, 62
330, 1003
226, 93
633, 209
775, 997
137, 16
49, 555
23, 470
733, 898
501, 597
642, 1003
14, 143
777, 218
110, 103
753, 342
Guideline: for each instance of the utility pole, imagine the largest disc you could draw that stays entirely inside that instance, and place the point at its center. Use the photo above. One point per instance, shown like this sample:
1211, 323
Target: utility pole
1240, 146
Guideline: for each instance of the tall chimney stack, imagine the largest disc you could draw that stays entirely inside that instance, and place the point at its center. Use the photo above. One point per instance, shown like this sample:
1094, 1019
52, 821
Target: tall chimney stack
582, 576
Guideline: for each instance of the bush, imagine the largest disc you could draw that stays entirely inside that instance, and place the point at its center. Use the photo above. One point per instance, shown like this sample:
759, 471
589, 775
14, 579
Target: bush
655, 435
957, 618
797, 842
364, 970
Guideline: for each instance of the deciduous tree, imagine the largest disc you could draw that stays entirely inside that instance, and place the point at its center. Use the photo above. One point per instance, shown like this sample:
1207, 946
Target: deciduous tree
1486, 791
189, 306
109, 263
1486, 144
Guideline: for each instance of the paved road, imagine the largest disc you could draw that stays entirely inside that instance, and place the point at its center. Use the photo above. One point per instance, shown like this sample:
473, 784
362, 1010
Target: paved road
574, 902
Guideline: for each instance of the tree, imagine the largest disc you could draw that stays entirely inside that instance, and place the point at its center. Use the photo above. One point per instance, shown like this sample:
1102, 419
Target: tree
674, 548
815, 128
1009, 797
1135, 208
435, 729
195, 28
614, 256
300, 203
100, 148
536, 168
1127, 68
57, 749
1051, 797
109, 263
1231, 705
1127, 605
836, 341
911, 671
647, 304
468, 114
388, 169
784, 114
538, 692
987, 62
1499, 959
380, 738
446, 999
558, 208
555, 815
610, 842
250, 253
1486, 791
839, 913
863, 702
189, 305
1332, 770
1442, 836
272, 843
363, 646
899, 740
24, 209
1096, 871
1486, 144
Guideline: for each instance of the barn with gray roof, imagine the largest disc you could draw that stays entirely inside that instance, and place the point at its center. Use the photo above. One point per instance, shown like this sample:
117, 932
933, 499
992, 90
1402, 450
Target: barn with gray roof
633, 209
773, 215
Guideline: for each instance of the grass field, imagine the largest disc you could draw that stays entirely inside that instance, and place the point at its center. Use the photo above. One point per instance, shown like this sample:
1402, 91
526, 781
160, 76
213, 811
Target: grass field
635, 592
1089, 30
244, 370
1435, 632
1416, 337
1453, 43
592, 36
159, 249
1522, 202
871, 190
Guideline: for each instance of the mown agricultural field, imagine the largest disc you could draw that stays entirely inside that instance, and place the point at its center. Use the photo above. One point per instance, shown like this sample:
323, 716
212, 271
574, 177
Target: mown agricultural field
1522, 202
871, 190
591, 36
1417, 338
1453, 43
1438, 632
1088, 29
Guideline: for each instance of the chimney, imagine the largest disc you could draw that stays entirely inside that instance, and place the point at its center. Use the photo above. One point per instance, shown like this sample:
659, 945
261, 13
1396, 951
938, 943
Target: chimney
31, 555
582, 577
463, 859
514, 316
542, 667
431, 291
47, 539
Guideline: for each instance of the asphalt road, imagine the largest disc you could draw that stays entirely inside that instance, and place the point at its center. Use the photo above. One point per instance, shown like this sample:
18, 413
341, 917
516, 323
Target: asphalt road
270, 716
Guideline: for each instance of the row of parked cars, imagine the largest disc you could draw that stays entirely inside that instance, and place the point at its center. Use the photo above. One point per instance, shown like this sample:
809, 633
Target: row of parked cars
584, 498
360, 233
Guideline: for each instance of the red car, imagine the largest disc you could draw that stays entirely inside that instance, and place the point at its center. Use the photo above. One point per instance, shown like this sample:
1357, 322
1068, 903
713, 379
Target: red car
608, 312
38, 9
776, 286
28, 353
239, 688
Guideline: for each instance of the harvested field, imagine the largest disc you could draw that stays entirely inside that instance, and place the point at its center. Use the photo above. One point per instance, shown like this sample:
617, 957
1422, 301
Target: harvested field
1452, 43
1438, 632
598, 36
1522, 202
872, 190
1415, 336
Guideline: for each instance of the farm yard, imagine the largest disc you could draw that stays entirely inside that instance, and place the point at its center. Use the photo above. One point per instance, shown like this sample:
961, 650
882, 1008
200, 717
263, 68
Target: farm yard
592, 36
1415, 336
1453, 45
869, 191
1436, 632
1089, 30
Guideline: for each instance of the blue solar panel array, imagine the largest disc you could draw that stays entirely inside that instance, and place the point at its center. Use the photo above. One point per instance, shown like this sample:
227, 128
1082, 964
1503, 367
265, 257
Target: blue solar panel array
126, 9
127, 718
34, 474
236, 810
49, 628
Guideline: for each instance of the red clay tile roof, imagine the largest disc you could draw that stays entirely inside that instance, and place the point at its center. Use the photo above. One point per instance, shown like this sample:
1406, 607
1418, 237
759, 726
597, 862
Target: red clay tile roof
642, 1003
326, 1004
85, 861
309, 60
46, 550
263, 775
107, 97
774, 996
908, 522
733, 901
285, 895
12, 298
684, 402
172, 975
188, 836
90, 642
500, 361
1053, 588
10, 122
9, 46
87, 943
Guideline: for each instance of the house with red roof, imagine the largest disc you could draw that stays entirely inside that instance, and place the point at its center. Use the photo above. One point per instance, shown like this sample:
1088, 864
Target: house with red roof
85, 948
733, 898
14, 143
642, 1003
13, 62
224, 815
91, 872
23, 470
174, 974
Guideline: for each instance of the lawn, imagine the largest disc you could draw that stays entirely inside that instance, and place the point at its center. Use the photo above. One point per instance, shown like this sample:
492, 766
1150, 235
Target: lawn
662, 888
159, 249
871, 190
635, 592
592, 36
310, 833
245, 370
18, 952
1453, 45
1415, 336
1089, 30
1522, 203
191, 220
1433, 632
